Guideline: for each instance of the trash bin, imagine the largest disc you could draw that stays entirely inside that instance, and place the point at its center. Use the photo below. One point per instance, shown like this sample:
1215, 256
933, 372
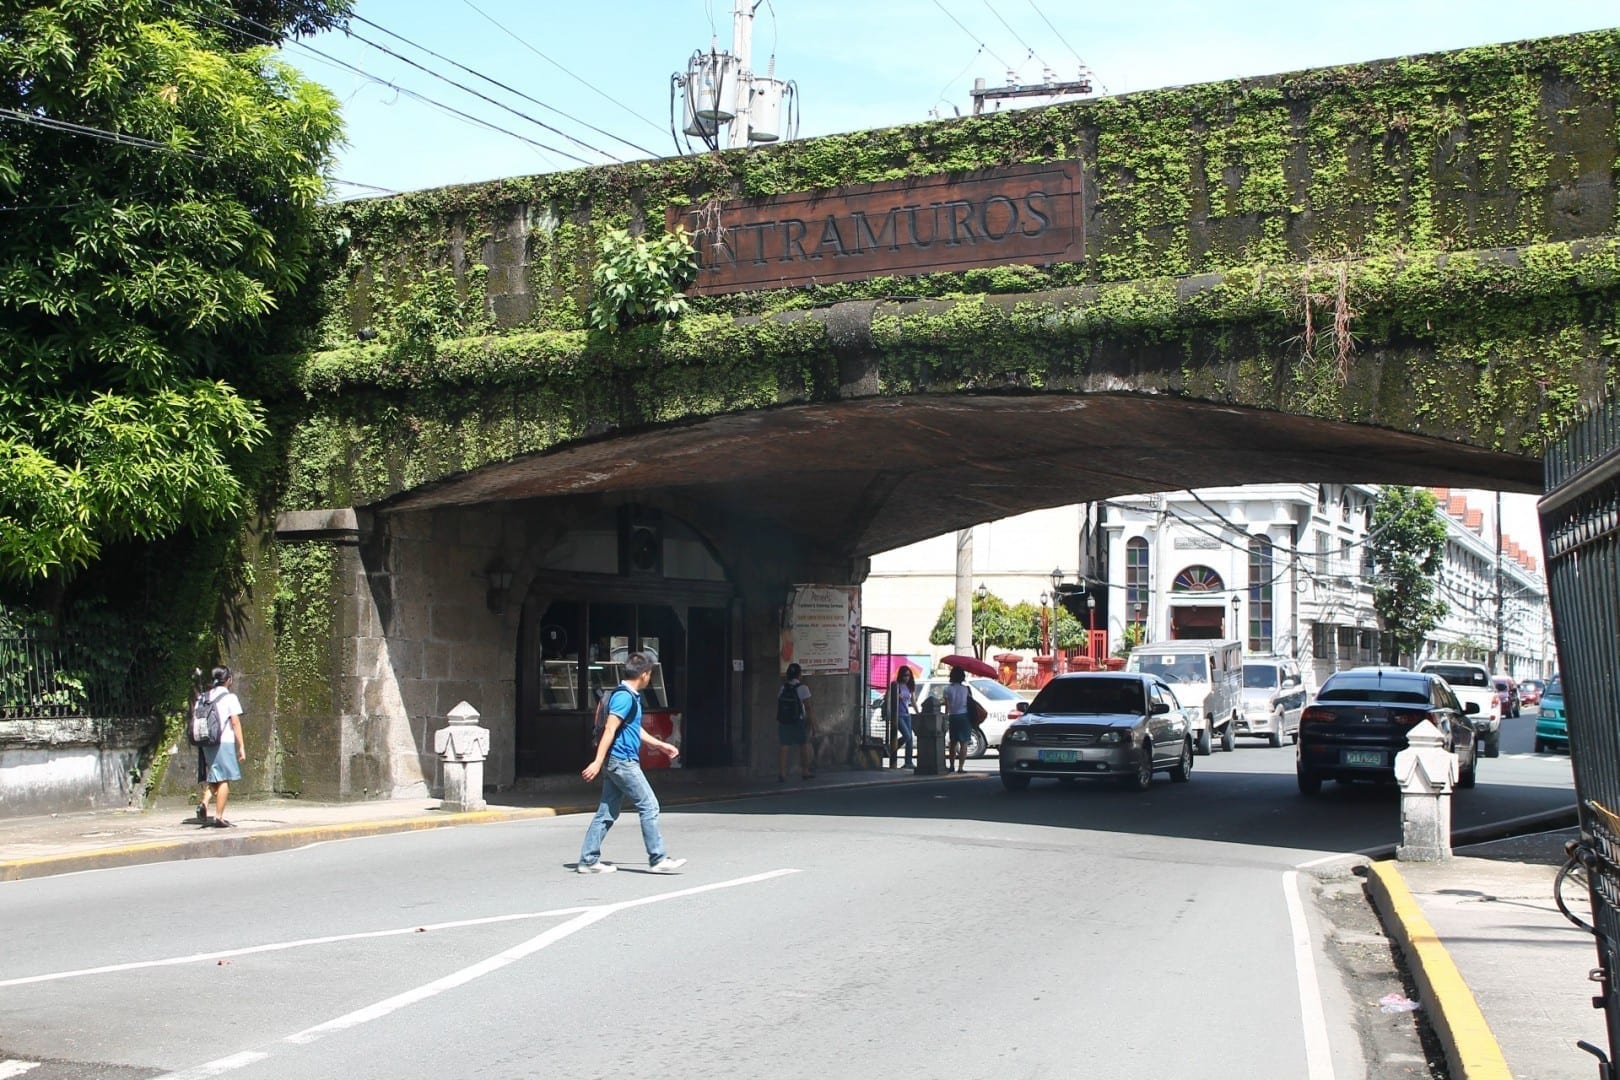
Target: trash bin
929, 728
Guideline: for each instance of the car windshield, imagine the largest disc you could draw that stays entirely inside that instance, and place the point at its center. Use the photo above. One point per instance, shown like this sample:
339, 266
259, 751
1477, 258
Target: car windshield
993, 690
1086, 695
1555, 688
1459, 674
1172, 667
1396, 691
1263, 677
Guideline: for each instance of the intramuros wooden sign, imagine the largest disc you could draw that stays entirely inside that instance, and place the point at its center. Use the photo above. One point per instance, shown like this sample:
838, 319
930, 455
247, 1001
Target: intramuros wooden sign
1021, 214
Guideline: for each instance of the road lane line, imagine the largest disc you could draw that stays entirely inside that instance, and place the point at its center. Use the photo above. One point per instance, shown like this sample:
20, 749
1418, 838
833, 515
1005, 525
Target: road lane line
281, 946
1318, 1053
551, 936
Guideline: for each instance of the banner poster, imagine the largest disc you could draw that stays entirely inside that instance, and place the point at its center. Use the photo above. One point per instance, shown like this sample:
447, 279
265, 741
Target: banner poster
821, 629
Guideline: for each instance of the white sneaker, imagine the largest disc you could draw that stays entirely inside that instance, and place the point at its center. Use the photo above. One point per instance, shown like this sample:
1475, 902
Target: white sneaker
598, 867
667, 865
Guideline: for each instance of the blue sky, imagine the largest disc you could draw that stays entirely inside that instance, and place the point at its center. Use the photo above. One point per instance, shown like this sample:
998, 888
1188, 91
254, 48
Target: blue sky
857, 65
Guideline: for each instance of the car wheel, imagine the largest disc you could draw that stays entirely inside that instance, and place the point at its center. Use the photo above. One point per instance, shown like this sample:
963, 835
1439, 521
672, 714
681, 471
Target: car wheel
1309, 782
1229, 735
1467, 777
1181, 771
978, 745
1013, 782
1293, 736
1541, 746
1203, 742
1276, 728
1493, 744
1142, 778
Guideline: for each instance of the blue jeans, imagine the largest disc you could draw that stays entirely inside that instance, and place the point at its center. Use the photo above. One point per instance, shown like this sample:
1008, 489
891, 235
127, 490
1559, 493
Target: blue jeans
621, 779
905, 734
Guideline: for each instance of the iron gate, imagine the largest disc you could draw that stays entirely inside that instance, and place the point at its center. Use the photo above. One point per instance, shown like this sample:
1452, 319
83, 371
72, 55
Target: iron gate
1580, 528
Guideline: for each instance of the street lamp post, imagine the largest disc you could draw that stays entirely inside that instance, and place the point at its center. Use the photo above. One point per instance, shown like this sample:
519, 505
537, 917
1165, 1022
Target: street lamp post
1236, 634
981, 594
1091, 624
1057, 585
1046, 627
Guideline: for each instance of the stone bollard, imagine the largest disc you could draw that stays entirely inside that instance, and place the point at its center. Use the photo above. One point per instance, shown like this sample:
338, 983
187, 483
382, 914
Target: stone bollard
1426, 772
462, 748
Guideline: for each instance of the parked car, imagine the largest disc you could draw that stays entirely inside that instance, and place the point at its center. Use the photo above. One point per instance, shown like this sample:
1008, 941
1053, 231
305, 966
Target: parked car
1360, 720
1507, 693
1472, 684
1552, 724
1001, 706
1273, 698
1530, 692
1103, 725
1208, 680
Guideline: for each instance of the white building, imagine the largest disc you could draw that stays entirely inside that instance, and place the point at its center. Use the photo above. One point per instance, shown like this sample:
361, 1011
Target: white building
1284, 568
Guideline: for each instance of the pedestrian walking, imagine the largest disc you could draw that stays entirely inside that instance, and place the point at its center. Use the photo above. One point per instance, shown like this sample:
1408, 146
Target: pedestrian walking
959, 715
793, 721
903, 702
222, 761
618, 763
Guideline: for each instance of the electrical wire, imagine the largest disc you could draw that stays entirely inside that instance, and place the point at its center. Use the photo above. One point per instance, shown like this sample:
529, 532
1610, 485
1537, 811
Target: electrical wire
982, 46
565, 71
69, 127
1017, 36
1084, 67
504, 86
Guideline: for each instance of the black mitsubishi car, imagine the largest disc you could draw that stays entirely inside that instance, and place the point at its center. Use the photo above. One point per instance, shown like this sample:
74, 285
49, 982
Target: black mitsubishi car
1360, 719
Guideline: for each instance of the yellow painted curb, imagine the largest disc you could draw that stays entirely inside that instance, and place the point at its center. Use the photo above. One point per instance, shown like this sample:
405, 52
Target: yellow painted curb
1472, 1051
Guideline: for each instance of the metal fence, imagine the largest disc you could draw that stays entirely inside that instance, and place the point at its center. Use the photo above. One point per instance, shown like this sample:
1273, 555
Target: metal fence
47, 677
1580, 526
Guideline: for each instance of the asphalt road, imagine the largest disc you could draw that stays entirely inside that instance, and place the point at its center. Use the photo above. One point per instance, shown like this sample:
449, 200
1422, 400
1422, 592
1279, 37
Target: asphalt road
921, 930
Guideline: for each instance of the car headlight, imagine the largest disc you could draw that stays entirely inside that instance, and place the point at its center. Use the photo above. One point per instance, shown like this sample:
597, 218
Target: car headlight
1018, 735
1112, 738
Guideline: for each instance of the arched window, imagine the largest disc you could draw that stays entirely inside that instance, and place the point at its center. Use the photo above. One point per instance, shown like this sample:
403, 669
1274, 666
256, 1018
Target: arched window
1136, 582
1261, 574
1197, 579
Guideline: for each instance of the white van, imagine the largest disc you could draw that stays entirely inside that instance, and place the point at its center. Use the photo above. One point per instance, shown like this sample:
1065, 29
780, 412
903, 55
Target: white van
1207, 679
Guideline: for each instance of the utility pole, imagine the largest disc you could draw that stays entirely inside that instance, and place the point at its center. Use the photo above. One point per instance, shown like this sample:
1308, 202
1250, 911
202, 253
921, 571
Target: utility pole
742, 44
1499, 663
964, 592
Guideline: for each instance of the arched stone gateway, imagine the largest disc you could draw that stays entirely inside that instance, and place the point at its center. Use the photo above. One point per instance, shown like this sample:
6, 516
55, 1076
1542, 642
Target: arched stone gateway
1398, 272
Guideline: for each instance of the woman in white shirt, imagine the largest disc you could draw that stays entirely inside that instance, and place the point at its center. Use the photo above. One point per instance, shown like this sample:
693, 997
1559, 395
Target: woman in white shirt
223, 760
959, 714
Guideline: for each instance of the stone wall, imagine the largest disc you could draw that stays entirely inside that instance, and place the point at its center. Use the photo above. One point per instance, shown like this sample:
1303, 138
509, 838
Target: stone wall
60, 766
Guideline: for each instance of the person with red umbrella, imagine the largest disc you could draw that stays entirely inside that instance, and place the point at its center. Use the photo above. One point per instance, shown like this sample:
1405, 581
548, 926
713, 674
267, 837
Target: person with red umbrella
959, 715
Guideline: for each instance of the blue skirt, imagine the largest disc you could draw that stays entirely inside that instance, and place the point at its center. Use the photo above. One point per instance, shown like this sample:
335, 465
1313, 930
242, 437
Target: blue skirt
221, 763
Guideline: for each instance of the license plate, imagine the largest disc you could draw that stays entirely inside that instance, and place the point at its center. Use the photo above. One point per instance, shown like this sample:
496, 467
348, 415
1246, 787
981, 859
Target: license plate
1060, 757
1364, 757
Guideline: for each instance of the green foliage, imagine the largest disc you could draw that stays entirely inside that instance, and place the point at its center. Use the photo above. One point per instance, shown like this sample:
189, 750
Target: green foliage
1000, 625
638, 280
1135, 634
1408, 545
135, 283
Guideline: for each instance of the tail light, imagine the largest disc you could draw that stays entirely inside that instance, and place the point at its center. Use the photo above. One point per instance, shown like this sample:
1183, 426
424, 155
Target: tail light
1412, 717
1014, 713
1315, 715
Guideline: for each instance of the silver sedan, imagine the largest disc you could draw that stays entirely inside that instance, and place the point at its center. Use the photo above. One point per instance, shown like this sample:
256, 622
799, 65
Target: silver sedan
1122, 726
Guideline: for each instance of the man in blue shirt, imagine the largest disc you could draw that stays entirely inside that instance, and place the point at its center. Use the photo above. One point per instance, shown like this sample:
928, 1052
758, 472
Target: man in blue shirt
618, 762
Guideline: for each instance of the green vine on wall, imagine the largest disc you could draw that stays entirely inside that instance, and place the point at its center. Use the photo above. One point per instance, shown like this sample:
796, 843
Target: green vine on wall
639, 279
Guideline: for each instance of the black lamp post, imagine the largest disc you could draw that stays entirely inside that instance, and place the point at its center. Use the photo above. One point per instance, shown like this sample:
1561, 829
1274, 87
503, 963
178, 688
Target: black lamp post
981, 594
1235, 630
1046, 627
1091, 624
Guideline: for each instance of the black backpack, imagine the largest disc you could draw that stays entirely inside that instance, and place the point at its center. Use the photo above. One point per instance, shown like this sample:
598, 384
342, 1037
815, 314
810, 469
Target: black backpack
204, 727
788, 709
599, 723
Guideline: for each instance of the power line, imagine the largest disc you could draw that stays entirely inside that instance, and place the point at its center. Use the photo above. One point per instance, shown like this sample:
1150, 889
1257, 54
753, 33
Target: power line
423, 98
1016, 36
475, 93
982, 46
503, 86
1077, 57
69, 127
562, 69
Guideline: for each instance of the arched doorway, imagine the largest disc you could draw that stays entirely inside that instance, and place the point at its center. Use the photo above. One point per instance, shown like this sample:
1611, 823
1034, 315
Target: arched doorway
1198, 604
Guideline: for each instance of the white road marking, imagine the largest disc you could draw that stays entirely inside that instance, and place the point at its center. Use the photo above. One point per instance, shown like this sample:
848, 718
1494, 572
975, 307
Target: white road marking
280, 946
585, 918
12, 1067
1318, 1053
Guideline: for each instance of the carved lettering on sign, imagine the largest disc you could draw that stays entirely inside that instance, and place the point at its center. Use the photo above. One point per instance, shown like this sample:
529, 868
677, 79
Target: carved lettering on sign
1021, 214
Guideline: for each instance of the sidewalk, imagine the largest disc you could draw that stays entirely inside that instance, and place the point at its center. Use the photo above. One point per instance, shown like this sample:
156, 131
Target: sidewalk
93, 840
1502, 975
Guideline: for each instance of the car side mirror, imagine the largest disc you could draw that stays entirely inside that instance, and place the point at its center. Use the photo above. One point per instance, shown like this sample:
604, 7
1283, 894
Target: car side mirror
1292, 680
1159, 708
1471, 708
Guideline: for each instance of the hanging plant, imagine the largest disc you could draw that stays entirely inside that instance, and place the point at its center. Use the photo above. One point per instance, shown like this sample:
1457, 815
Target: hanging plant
640, 280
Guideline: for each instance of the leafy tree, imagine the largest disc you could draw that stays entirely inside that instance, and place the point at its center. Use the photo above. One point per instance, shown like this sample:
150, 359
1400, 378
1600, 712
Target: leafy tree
994, 624
140, 261
1408, 544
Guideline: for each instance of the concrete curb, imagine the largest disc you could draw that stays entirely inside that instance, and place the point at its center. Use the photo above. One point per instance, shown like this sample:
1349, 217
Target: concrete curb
1472, 1052
1496, 830
258, 843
